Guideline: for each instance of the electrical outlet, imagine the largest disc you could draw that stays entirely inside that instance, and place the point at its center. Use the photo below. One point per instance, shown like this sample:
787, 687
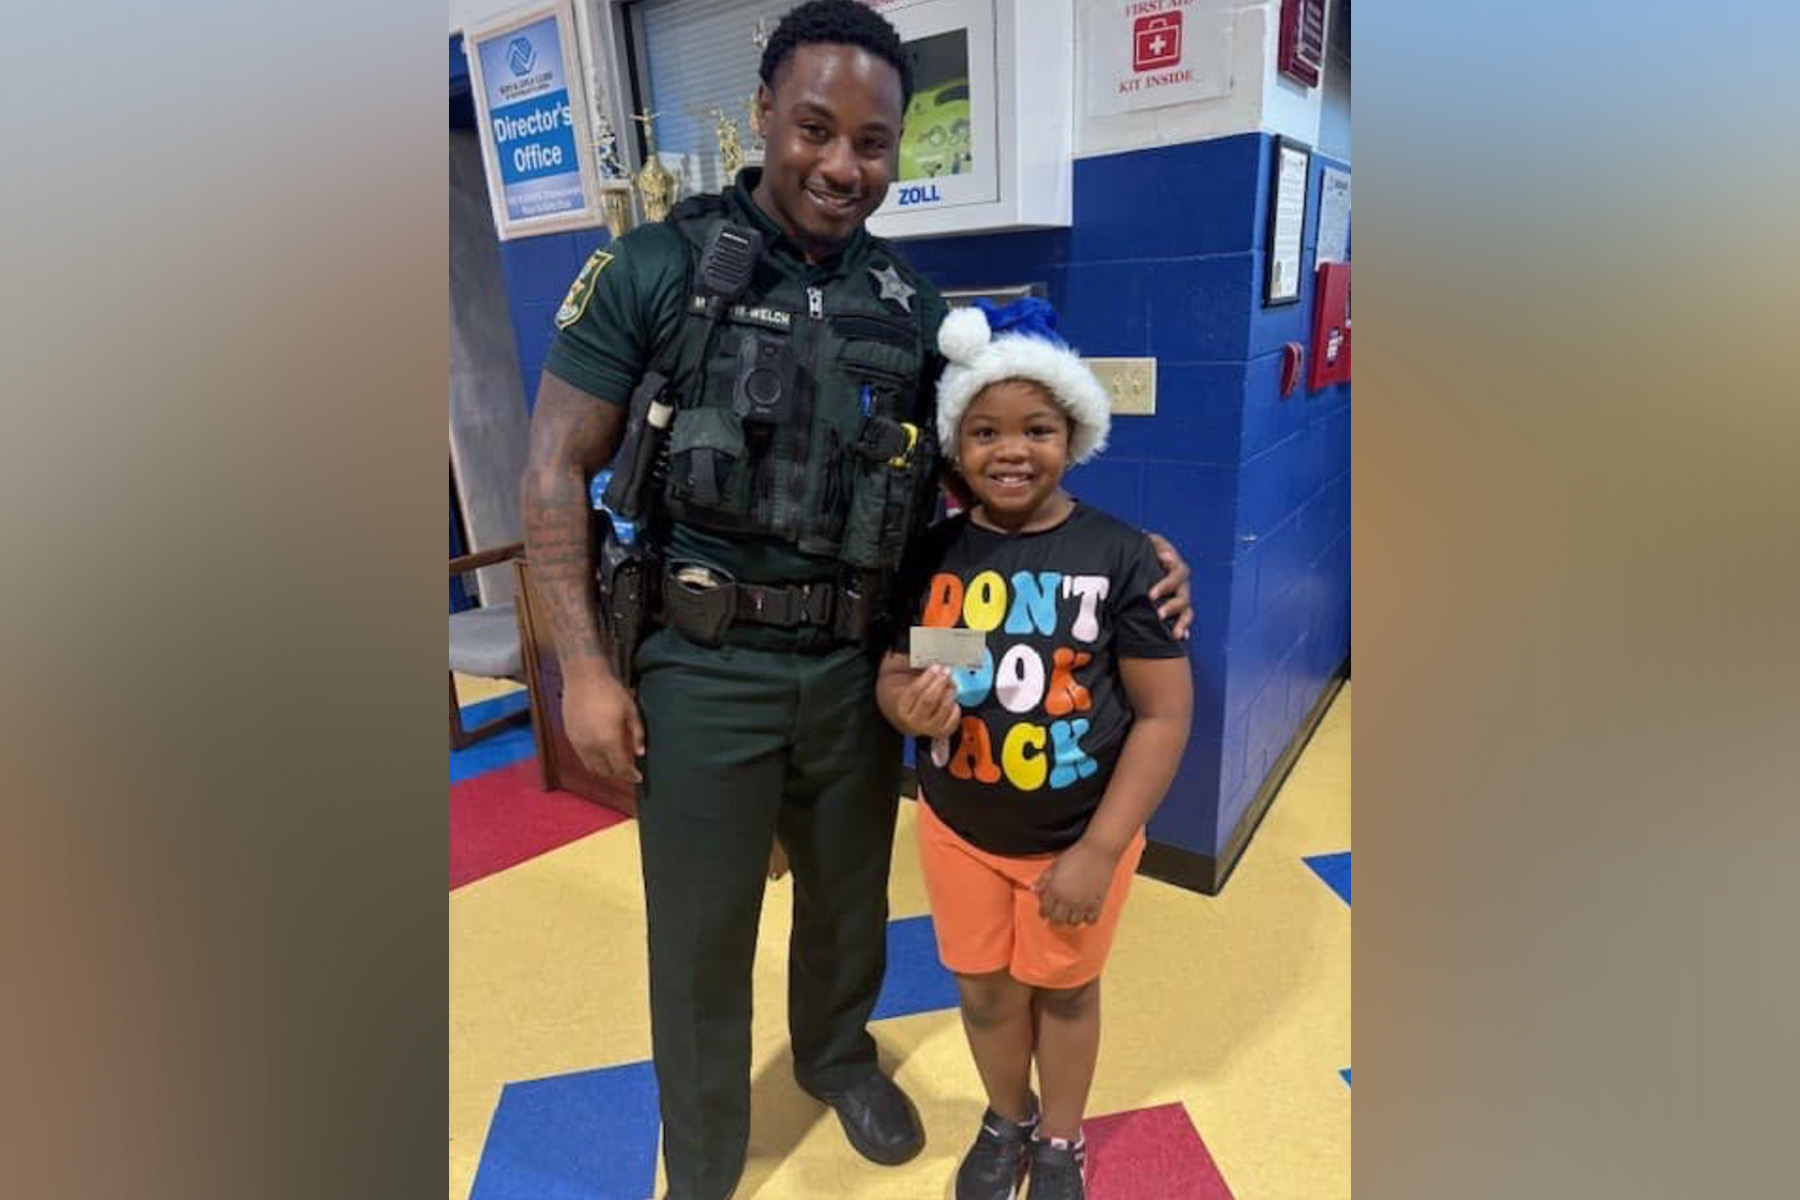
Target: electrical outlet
1131, 382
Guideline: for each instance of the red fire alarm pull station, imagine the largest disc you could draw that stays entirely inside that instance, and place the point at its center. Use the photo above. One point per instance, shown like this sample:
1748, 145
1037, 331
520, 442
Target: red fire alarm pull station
1331, 327
1300, 52
1292, 355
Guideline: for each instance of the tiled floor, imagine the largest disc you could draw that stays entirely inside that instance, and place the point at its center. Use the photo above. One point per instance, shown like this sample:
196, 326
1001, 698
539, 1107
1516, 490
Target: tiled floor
1224, 1072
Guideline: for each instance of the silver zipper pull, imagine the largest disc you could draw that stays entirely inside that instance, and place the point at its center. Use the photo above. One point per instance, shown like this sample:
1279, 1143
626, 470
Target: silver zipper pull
815, 303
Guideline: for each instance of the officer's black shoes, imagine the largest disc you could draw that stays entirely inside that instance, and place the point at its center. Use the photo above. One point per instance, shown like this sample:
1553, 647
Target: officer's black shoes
878, 1119
995, 1165
1058, 1169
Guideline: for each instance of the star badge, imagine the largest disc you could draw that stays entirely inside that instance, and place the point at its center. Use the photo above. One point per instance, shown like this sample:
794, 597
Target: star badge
893, 287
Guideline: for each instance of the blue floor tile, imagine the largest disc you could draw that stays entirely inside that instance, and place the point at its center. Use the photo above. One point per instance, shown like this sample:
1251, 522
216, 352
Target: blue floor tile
1334, 869
916, 981
589, 1135
500, 750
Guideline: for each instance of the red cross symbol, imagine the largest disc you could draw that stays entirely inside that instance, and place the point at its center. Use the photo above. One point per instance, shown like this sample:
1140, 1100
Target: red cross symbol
1156, 41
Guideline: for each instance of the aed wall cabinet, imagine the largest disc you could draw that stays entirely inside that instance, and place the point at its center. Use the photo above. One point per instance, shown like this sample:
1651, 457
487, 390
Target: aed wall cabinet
990, 130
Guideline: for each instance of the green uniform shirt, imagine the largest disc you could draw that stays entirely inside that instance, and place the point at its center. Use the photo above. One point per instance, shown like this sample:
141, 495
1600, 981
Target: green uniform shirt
630, 298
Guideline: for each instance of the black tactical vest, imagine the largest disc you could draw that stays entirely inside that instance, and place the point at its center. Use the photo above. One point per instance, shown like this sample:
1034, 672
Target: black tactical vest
801, 415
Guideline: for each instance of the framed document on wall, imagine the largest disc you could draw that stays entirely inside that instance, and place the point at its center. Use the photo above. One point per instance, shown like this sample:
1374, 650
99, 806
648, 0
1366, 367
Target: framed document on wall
1286, 244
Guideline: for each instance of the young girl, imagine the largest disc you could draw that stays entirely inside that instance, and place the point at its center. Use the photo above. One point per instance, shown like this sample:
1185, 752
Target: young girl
1039, 767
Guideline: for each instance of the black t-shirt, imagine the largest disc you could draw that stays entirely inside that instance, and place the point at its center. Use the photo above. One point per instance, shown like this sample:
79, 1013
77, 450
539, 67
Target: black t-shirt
1045, 715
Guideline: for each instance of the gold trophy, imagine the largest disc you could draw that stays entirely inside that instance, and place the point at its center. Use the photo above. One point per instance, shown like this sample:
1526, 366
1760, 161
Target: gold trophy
615, 207
731, 150
655, 185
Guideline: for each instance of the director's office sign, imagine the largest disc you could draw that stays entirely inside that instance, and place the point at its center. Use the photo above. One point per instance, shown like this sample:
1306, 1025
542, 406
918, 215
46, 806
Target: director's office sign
532, 117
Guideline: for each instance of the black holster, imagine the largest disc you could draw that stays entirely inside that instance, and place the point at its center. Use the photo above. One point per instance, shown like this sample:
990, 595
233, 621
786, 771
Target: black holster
628, 579
699, 602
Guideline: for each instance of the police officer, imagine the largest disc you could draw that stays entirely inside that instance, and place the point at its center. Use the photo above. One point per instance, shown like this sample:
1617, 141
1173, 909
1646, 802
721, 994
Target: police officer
797, 462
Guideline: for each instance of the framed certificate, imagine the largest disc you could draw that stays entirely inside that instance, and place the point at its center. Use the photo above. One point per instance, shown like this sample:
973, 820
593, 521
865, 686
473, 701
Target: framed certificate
1285, 243
1334, 217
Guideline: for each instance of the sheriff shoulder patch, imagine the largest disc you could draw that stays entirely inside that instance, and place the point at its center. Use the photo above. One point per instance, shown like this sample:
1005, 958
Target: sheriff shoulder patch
575, 303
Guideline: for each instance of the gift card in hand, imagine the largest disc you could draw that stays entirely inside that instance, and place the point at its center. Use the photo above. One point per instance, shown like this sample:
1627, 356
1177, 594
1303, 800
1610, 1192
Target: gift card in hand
959, 648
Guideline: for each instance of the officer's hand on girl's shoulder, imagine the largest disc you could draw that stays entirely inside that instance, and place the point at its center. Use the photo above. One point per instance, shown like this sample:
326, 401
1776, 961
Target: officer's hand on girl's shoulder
1170, 593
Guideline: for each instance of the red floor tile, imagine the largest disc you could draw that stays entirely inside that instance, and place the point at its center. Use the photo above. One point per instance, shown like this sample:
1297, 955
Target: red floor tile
500, 818
1150, 1154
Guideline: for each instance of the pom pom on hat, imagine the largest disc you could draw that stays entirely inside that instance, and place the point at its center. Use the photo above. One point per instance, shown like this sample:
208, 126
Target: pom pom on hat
964, 334
986, 343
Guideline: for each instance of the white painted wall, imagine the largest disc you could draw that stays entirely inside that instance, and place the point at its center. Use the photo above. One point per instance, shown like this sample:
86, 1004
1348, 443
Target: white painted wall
1334, 88
473, 12
1260, 97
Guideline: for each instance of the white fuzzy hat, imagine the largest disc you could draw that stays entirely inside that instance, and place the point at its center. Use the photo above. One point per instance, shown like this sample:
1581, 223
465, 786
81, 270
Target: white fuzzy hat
985, 344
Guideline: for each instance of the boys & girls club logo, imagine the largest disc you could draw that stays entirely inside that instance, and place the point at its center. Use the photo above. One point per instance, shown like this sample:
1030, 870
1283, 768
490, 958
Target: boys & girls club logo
520, 55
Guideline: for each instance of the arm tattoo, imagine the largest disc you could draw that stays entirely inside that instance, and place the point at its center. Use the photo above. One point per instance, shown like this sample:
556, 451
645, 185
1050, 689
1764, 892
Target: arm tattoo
572, 435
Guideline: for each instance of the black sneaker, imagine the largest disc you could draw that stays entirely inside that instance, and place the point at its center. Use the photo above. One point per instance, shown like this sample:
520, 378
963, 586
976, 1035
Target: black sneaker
1058, 1169
995, 1164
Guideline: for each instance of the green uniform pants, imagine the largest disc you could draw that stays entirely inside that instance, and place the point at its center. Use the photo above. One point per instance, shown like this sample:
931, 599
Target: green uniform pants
742, 743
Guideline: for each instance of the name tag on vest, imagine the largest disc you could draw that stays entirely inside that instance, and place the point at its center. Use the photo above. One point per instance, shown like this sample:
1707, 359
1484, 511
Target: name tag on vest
745, 314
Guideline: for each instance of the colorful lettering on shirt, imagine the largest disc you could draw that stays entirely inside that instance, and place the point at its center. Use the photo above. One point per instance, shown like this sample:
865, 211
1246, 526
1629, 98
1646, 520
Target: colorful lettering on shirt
985, 603
1092, 590
1024, 758
1019, 681
943, 603
1025, 680
1034, 602
974, 753
1072, 762
1029, 605
974, 683
1065, 695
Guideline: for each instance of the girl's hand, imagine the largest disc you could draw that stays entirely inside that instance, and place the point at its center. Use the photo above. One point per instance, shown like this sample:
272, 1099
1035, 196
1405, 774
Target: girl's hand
1072, 889
927, 706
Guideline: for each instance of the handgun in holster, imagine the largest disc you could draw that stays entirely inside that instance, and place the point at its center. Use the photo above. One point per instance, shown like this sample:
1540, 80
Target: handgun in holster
627, 578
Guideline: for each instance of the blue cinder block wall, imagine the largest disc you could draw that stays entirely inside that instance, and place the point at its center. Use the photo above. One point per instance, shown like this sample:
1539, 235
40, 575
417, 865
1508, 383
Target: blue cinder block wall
1166, 260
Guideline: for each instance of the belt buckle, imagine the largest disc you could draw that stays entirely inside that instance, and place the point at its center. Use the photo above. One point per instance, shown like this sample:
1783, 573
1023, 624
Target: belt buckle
823, 615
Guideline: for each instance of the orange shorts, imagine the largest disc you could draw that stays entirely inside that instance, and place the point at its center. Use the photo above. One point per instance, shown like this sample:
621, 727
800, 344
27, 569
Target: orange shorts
986, 914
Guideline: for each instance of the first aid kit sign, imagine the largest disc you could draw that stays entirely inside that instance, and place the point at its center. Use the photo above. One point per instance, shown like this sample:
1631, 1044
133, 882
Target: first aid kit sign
1154, 53
1156, 42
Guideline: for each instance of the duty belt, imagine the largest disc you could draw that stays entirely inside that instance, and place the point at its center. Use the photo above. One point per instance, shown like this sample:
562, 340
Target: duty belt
702, 602
799, 604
